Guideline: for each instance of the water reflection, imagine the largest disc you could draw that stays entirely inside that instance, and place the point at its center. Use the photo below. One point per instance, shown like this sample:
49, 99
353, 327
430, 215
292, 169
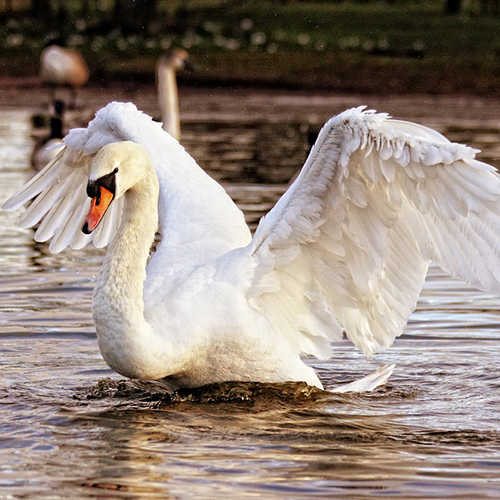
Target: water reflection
248, 151
433, 432
306, 450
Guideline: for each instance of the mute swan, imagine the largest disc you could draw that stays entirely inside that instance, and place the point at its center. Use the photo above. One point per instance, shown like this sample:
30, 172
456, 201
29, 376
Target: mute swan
168, 96
63, 67
48, 147
349, 243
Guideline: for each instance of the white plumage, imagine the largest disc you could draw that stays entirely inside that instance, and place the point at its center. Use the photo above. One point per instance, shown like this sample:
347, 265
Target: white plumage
346, 248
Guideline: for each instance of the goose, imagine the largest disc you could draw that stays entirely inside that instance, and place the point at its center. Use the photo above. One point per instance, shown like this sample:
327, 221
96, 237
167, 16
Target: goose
168, 96
344, 252
48, 147
63, 67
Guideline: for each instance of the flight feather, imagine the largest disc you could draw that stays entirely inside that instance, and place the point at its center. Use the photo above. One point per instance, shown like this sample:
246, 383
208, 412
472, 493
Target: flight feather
352, 238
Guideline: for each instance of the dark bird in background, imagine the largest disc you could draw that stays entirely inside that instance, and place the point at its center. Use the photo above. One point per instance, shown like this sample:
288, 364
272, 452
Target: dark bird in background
48, 147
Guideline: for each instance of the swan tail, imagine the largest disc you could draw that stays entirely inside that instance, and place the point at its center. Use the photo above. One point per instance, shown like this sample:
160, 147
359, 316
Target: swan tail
366, 384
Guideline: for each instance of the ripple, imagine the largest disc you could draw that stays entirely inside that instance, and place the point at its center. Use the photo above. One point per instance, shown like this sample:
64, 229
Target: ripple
431, 432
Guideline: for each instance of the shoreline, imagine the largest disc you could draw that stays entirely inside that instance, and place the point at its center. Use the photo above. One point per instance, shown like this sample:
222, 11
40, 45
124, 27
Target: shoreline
204, 103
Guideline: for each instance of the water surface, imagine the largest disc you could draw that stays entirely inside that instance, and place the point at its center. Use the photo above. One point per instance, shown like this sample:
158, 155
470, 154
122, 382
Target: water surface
70, 427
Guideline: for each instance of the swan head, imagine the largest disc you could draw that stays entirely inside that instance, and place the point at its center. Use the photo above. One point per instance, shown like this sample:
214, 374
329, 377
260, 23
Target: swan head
177, 59
116, 169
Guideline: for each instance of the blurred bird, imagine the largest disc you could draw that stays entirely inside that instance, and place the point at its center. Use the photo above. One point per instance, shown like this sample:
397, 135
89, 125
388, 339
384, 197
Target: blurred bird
168, 96
63, 67
47, 148
344, 252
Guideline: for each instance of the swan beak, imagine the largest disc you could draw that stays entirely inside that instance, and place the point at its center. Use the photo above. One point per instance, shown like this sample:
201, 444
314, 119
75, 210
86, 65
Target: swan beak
188, 65
98, 207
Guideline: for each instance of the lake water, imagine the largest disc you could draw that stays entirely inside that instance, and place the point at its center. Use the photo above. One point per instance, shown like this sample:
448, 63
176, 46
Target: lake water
71, 428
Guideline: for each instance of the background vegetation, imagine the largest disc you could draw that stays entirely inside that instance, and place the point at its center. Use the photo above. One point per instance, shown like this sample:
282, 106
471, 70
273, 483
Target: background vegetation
445, 46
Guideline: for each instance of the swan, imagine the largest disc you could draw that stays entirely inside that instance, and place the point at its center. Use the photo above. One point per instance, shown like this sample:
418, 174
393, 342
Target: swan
168, 96
63, 67
344, 251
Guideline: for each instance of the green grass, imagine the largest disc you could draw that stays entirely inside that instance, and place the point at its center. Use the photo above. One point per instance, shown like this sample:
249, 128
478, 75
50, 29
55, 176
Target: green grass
365, 47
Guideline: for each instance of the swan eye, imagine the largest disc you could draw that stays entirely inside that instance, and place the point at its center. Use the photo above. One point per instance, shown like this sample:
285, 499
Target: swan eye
108, 181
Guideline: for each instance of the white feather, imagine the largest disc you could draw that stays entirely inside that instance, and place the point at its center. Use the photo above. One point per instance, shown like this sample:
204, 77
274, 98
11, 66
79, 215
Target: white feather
372, 285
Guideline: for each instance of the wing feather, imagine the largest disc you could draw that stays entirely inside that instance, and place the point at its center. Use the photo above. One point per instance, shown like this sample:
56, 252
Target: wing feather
60, 202
376, 201
43, 180
40, 206
211, 223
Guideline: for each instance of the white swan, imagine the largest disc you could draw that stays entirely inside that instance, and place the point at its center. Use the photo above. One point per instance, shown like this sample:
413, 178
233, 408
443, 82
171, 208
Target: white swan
168, 96
350, 241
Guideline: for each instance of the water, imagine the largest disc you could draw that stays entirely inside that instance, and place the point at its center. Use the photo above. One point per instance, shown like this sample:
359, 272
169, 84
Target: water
71, 428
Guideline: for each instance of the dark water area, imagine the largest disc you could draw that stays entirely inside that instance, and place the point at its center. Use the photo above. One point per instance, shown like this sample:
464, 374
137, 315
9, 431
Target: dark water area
72, 428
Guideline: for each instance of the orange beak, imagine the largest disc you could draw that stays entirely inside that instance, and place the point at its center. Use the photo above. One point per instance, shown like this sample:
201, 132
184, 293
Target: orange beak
98, 207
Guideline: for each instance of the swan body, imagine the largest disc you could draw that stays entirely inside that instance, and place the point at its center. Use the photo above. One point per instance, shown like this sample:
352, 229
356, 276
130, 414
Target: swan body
63, 67
346, 248
168, 95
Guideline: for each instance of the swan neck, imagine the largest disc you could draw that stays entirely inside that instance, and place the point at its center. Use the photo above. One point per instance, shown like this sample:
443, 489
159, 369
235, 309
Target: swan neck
123, 334
124, 268
169, 100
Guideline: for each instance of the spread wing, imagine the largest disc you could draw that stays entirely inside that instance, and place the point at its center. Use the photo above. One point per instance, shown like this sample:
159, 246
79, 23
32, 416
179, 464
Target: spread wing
212, 222
60, 201
351, 239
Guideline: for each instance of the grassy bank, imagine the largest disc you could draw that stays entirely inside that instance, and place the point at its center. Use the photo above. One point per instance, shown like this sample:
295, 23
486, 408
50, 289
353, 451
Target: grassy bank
367, 47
